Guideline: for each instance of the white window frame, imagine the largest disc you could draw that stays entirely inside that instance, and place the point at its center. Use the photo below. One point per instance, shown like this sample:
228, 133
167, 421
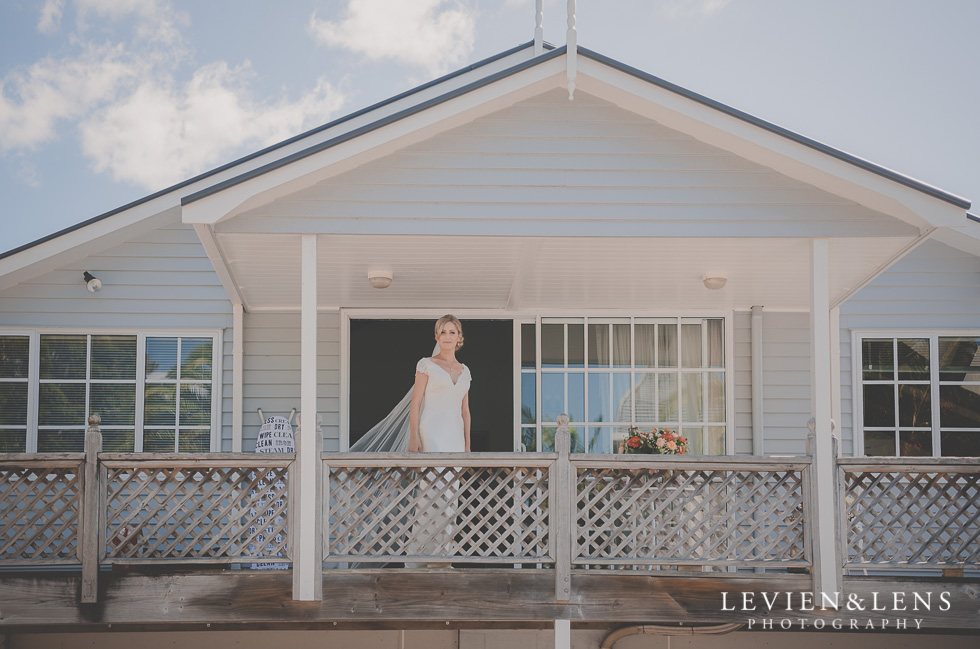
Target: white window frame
857, 382
217, 378
726, 316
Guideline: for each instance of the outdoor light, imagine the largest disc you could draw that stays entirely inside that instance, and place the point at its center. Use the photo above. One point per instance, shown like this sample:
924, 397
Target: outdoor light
92, 283
379, 278
714, 281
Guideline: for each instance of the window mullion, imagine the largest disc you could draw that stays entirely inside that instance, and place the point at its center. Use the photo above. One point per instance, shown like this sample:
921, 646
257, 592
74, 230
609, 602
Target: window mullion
88, 385
537, 383
140, 392
177, 396
895, 422
632, 372
585, 370
934, 394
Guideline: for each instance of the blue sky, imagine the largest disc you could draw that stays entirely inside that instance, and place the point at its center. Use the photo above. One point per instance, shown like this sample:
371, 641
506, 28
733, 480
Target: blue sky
105, 101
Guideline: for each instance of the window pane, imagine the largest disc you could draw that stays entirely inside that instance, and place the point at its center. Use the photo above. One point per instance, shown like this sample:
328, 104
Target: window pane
114, 357
621, 345
552, 396
195, 359
646, 397
576, 345
959, 406
879, 405
691, 345
913, 359
695, 440
62, 357
61, 441
960, 444
599, 345
959, 359
914, 406
716, 396
915, 443
194, 441
118, 441
14, 357
605, 439
158, 441
195, 404
160, 405
645, 345
161, 359
529, 439
693, 407
528, 398
61, 404
716, 343
599, 408
715, 440
621, 397
13, 404
668, 398
552, 345
13, 441
667, 345
527, 346
879, 443
115, 403
548, 439
877, 359
575, 408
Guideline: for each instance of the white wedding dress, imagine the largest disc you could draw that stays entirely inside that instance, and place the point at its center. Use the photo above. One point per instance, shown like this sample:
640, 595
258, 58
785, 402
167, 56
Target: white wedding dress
441, 418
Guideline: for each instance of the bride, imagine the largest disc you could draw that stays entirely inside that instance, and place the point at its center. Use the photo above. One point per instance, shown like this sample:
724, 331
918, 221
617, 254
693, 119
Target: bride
440, 408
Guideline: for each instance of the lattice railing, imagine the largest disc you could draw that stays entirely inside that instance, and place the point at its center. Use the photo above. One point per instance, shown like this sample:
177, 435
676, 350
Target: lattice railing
418, 511
922, 515
216, 508
40, 501
661, 511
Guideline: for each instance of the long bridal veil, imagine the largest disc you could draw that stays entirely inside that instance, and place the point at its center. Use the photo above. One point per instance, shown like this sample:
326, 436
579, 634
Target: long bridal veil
393, 433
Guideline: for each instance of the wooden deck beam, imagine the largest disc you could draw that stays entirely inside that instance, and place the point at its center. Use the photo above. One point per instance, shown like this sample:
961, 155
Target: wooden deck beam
443, 599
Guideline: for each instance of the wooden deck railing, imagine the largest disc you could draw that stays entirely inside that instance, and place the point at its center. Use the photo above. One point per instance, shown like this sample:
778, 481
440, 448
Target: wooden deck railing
552, 511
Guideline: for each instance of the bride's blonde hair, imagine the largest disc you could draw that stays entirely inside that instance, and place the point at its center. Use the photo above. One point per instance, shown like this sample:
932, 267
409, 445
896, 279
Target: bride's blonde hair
450, 319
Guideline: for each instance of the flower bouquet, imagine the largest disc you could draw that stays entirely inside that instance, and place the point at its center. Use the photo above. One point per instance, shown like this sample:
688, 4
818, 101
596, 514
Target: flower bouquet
660, 441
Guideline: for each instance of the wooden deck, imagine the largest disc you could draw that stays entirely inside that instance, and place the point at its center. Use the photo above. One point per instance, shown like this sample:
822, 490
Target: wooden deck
135, 540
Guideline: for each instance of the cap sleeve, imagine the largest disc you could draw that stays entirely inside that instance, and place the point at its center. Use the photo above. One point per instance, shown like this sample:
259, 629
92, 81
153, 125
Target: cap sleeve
467, 368
423, 366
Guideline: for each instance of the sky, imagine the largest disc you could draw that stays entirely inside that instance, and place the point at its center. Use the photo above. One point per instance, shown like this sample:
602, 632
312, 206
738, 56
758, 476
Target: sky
103, 102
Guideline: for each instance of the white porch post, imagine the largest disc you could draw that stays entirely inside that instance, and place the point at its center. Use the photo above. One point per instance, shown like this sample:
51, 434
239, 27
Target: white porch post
563, 634
306, 555
237, 376
823, 524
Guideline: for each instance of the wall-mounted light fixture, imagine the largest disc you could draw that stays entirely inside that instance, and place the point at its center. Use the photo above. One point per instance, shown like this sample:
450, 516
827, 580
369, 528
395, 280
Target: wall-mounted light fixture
380, 277
92, 283
714, 281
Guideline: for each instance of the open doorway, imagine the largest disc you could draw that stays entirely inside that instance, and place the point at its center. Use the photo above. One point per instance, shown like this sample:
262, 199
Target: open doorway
383, 354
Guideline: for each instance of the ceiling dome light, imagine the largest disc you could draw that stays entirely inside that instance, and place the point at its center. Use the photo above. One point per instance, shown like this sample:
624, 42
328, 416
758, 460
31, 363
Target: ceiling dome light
714, 281
380, 278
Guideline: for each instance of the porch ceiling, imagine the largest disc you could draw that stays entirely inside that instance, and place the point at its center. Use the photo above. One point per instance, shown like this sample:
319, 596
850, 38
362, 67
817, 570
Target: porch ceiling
518, 273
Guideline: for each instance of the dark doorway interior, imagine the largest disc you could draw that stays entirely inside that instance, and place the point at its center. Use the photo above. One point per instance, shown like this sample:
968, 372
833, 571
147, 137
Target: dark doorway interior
383, 354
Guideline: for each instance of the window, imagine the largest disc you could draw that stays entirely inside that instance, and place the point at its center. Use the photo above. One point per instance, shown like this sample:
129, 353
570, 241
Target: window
608, 374
920, 395
153, 392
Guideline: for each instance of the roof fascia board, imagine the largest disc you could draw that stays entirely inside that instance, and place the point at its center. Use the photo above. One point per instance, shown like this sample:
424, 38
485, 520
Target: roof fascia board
221, 268
767, 147
902, 179
78, 244
489, 66
380, 138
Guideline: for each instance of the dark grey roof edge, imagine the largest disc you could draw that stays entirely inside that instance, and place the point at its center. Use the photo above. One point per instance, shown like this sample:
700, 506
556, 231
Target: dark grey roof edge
925, 188
367, 128
973, 217
273, 147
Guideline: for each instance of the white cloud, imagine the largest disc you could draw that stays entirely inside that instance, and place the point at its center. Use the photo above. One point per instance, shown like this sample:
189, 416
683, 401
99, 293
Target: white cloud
35, 100
163, 133
431, 34
703, 8
50, 19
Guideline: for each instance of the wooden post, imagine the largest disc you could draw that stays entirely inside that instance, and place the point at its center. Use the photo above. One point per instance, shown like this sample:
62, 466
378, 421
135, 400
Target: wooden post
562, 489
307, 555
826, 563
91, 516
571, 51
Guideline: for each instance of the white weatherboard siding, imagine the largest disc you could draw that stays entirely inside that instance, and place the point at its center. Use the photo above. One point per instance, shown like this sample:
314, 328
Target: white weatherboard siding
547, 166
272, 372
936, 287
786, 382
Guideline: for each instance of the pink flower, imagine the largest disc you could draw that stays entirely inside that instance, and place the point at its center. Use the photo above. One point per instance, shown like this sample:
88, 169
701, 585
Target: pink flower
660, 442
672, 445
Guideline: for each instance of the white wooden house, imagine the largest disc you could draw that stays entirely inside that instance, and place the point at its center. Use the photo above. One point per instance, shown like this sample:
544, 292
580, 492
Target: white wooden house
579, 216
